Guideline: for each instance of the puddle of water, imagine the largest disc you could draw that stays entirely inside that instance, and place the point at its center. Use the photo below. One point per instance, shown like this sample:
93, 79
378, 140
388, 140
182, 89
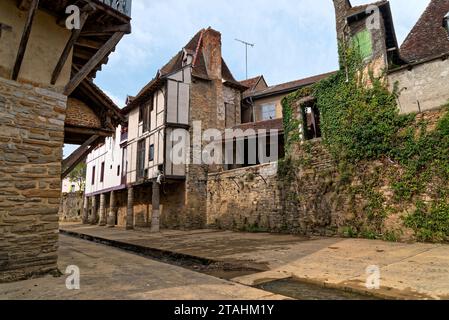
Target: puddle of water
305, 291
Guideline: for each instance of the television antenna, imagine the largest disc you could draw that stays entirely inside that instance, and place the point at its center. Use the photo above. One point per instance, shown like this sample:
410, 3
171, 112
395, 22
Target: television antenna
247, 44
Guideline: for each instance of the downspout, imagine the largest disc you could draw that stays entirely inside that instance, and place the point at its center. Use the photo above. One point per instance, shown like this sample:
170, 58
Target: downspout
344, 50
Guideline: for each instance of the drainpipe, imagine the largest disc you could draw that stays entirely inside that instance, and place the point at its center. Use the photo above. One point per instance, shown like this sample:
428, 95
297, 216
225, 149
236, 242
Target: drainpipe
344, 50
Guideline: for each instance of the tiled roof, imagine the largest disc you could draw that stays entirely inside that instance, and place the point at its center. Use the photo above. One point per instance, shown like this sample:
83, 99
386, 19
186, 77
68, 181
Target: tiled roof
288, 86
428, 37
251, 83
199, 68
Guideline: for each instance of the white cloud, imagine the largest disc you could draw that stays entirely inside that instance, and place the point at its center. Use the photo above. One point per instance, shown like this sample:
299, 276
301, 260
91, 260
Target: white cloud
294, 38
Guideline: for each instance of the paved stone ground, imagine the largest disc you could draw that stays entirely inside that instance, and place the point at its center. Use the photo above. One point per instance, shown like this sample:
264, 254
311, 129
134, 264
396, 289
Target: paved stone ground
410, 271
109, 273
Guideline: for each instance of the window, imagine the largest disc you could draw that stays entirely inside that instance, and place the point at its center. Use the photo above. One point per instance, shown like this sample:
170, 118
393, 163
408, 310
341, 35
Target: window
102, 172
93, 175
141, 159
118, 171
141, 113
446, 22
363, 41
145, 114
268, 111
151, 153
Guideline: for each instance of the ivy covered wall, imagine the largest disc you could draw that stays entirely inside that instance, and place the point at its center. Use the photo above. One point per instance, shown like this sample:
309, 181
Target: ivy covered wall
391, 177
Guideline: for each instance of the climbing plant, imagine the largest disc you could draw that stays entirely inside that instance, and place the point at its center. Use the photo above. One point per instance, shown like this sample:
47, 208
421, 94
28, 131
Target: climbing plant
360, 121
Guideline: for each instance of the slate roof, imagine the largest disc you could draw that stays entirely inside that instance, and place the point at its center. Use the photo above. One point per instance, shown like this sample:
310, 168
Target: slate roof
288, 86
428, 37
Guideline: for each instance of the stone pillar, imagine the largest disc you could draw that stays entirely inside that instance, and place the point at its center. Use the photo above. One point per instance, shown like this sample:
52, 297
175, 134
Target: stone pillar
130, 212
155, 219
31, 142
93, 217
112, 210
85, 215
103, 221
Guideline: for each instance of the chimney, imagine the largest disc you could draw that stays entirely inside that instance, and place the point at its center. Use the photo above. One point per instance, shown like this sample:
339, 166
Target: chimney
212, 53
341, 12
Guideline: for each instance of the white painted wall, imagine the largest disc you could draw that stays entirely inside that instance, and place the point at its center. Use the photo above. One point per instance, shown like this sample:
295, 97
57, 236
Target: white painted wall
112, 155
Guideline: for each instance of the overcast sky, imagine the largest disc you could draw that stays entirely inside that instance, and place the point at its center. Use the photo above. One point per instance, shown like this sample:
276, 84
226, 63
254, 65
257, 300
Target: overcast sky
293, 38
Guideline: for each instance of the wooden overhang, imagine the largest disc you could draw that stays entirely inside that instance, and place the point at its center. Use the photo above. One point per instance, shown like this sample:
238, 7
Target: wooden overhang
106, 111
89, 137
101, 28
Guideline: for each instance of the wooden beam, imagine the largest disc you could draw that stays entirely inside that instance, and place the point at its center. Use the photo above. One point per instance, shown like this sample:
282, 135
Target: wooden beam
88, 131
24, 41
68, 47
86, 43
102, 30
76, 157
93, 62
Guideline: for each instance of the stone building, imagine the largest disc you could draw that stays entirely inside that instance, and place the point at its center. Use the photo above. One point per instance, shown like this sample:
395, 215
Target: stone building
257, 198
424, 76
195, 85
419, 67
45, 71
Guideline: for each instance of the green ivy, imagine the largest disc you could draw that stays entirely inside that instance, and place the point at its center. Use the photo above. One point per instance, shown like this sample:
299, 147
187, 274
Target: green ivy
361, 122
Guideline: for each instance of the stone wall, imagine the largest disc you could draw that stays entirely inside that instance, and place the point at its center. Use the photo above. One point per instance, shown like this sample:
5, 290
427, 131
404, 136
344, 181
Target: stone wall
32, 137
71, 207
309, 194
245, 199
171, 207
266, 198
422, 87
79, 114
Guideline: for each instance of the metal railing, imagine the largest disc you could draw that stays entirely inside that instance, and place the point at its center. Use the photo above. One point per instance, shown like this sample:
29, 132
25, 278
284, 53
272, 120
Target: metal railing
123, 6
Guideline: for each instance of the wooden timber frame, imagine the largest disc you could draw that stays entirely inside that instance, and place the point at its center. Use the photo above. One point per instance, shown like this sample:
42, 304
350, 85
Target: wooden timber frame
88, 48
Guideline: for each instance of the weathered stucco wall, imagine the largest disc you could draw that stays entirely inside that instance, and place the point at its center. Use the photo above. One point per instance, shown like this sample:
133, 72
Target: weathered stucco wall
276, 100
31, 140
423, 87
43, 51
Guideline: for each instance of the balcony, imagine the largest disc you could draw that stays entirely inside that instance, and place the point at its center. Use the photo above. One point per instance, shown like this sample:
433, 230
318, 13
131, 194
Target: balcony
123, 6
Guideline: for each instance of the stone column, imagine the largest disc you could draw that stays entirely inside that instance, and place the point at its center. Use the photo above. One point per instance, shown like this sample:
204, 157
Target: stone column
155, 220
102, 210
85, 216
130, 212
93, 217
112, 211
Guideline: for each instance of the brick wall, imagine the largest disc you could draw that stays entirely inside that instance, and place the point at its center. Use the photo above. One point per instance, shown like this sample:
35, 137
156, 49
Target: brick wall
423, 87
31, 136
79, 114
